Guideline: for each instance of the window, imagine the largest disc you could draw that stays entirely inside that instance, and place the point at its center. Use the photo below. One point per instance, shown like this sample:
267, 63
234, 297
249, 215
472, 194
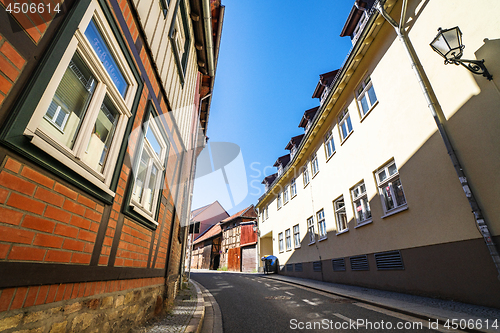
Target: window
293, 151
266, 212
305, 174
366, 96
340, 215
149, 166
80, 120
286, 194
390, 188
296, 236
288, 239
345, 124
321, 224
280, 241
280, 169
314, 165
179, 38
164, 6
360, 203
310, 229
329, 145
279, 200
293, 188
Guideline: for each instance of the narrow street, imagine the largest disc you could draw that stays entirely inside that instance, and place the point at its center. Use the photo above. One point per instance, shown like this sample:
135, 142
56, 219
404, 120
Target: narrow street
254, 303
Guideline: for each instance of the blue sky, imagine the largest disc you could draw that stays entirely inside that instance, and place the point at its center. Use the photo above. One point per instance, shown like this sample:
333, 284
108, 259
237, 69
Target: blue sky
271, 56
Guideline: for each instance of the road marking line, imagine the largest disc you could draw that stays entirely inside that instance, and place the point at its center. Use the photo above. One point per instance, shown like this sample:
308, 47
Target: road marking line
309, 302
289, 293
346, 319
401, 316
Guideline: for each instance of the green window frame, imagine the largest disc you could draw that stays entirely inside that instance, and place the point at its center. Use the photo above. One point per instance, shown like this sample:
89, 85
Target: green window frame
13, 133
180, 39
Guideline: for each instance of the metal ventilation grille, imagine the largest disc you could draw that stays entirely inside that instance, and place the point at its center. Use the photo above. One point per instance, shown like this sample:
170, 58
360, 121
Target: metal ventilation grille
338, 265
359, 263
298, 267
289, 267
389, 260
317, 266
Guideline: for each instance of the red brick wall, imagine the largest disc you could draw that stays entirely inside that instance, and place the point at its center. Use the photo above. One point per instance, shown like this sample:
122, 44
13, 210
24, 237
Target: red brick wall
11, 65
44, 220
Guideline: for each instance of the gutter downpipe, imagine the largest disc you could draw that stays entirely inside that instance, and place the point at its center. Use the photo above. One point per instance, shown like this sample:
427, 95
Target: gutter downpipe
437, 112
193, 171
207, 18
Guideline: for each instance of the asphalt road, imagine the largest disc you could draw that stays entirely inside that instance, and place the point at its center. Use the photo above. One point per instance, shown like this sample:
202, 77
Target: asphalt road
253, 303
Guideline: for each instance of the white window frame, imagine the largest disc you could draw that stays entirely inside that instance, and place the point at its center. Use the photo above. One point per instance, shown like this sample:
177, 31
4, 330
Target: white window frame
314, 164
280, 242
296, 236
344, 119
286, 194
288, 239
329, 145
293, 151
266, 211
158, 162
362, 93
279, 202
305, 175
388, 183
339, 212
311, 231
293, 188
320, 217
360, 204
73, 158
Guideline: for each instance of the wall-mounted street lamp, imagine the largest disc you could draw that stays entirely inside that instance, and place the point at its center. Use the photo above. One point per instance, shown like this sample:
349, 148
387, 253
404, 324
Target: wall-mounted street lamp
448, 44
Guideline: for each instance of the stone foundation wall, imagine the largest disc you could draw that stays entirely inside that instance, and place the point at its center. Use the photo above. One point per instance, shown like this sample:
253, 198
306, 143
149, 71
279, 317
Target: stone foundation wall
111, 312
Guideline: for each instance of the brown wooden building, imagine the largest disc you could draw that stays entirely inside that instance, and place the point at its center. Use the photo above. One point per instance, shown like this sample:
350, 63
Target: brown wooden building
103, 109
239, 241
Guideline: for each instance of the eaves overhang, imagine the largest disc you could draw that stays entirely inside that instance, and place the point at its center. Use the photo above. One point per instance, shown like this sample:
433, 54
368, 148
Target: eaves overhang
351, 62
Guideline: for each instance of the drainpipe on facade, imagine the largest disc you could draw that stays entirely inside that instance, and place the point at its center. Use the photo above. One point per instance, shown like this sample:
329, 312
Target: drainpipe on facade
437, 112
207, 17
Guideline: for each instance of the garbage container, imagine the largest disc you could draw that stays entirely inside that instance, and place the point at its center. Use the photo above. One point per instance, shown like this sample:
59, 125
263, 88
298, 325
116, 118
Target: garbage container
270, 264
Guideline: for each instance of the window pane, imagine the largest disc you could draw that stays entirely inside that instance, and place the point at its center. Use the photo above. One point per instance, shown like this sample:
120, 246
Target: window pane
371, 94
153, 141
101, 48
382, 176
398, 191
102, 136
349, 125
141, 176
364, 104
392, 169
67, 109
388, 200
151, 187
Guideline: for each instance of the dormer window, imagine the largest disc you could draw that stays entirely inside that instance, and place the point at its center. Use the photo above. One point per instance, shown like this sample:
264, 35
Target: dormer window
324, 95
308, 125
293, 151
359, 27
280, 170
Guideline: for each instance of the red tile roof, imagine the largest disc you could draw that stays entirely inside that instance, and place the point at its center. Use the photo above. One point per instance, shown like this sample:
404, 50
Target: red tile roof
209, 233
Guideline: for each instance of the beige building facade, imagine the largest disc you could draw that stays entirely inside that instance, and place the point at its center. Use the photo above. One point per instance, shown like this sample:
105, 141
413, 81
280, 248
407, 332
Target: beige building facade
370, 196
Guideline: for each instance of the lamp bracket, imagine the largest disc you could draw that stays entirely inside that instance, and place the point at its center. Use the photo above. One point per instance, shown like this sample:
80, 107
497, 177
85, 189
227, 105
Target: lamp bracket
475, 66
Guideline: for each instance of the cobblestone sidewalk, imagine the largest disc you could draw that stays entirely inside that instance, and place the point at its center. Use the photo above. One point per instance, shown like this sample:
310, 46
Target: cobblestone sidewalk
178, 318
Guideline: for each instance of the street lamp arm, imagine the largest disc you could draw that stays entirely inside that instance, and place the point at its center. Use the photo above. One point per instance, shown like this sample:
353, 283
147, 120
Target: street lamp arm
475, 66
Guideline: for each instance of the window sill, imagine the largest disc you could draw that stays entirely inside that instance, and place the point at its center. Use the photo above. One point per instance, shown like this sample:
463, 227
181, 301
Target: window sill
368, 112
312, 243
342, 232
395, 211
141, 212
307, 184
363, 223
297, 247
347, 137
323, 238
293, 196
288, 250
315, 174
329, 157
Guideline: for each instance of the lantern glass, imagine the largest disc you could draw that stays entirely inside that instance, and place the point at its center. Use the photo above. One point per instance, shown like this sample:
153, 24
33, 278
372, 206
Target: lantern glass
448, 43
